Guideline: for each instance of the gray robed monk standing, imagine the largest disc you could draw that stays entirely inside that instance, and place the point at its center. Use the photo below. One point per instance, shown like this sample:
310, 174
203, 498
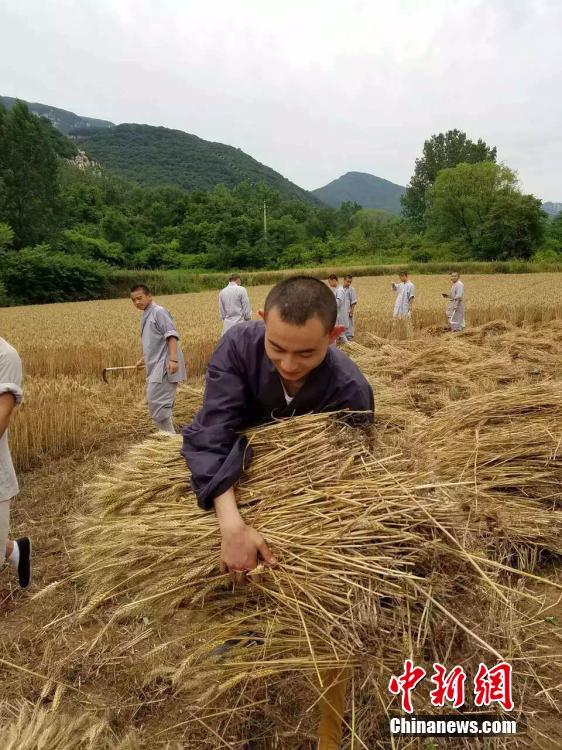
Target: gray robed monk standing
234, 303
455, 303
350, 305
162, 357
342, 319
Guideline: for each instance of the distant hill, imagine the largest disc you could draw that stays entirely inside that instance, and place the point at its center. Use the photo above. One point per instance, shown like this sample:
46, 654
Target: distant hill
366, 189
159, 156
552, 208
62, 119
151, 155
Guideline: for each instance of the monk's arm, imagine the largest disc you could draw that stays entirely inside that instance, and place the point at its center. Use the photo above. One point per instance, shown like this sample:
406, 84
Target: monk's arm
172, 348
7, 404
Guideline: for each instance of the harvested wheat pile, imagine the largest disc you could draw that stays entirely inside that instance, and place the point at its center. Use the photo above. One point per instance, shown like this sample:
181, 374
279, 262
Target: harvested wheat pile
538, 348
29, 727
374, 558
431, 373
411, 540
509, 439
188, 402
151, 486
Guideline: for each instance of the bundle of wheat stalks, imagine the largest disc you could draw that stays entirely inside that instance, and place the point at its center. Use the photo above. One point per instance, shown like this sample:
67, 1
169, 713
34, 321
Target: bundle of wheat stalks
28, 727
388, 547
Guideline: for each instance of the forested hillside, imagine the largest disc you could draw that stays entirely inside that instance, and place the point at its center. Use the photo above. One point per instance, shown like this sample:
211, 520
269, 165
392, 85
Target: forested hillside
366, 189
66, 231
160, 156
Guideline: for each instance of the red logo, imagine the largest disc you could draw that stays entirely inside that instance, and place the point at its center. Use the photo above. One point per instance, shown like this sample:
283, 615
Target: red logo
405, 683
490, 685
449, 686
493, 686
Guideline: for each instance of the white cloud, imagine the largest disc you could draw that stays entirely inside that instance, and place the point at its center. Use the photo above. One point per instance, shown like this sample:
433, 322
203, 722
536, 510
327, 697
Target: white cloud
312, 88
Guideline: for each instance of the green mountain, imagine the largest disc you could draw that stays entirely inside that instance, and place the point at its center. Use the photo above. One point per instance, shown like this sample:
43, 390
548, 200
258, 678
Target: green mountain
366, 189
159, 156
151, 155
62, 119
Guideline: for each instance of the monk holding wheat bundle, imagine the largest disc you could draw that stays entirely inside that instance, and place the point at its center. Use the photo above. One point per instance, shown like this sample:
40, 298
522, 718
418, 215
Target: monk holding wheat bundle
282, 366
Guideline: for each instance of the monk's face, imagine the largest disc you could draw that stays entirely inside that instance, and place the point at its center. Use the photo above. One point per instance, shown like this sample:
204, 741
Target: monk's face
140, 299
296, 350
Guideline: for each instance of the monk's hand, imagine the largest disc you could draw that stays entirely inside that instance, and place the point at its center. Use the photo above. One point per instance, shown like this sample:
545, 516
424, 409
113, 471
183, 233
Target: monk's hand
241, 548
173, 367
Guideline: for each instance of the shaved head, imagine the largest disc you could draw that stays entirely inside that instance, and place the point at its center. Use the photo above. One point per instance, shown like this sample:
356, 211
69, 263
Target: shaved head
300, 298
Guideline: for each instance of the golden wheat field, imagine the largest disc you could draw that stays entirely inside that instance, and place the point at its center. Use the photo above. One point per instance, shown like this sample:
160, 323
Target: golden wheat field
97, 655
64, 348
82, 338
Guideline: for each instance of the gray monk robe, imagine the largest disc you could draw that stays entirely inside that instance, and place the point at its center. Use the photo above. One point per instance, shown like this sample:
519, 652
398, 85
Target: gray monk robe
243, 389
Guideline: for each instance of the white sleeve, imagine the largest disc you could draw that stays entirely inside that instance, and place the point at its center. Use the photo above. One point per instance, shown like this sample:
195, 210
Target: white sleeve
11, 374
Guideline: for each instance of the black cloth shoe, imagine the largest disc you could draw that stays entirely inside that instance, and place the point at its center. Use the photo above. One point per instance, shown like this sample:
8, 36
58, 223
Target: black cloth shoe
251, 639
24, 565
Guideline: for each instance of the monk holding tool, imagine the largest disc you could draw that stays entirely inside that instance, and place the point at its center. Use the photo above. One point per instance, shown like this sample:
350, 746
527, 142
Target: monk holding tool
162, 357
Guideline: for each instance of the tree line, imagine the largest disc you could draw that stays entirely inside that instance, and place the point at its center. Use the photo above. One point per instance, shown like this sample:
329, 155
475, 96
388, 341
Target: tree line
64, 230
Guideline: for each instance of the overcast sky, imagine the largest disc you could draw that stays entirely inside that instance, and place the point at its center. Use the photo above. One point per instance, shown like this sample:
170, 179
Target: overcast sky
312, 88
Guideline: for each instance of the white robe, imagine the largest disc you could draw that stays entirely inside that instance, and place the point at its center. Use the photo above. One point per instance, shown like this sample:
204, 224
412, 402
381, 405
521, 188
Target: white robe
343, 317
405, 291
350, 300
455, 317
234, 306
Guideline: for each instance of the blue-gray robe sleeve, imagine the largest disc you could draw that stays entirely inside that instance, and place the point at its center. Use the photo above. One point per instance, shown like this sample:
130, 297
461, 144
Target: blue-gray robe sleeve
212, 447
165, 324
356, 395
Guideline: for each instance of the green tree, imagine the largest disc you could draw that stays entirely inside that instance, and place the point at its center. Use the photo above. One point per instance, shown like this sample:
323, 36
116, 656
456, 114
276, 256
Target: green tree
478, 207
347, 209
514, 228
116, 227
283, 232
441, 151
62, 146
36, 275
29, 185
159, 255
379, 227
554, 230
6, 235
72, 242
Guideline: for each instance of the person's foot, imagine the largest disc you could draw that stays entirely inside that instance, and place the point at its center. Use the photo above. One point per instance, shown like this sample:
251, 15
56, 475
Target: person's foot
251, 639
24, 564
